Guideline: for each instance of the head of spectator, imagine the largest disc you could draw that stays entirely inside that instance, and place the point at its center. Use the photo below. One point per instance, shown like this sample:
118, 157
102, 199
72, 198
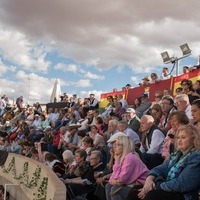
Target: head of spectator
73, 128
182, 101
144, 98
156, 113
196, 86
165, 71
112, 126
42, 117
186, 84
158, 96
192, 138
95, 158
137, 102
48, 130
154, 78
167, 91
63, 130
186, 69
146, 122
95, 112
68, 156
128, 86
196, 112
90, 114
130, 113
115, 136
145, 81
110, 100
87, 142
122, 125
122, 146
178, 118
80, 156
167, 104
92, 96
179, 90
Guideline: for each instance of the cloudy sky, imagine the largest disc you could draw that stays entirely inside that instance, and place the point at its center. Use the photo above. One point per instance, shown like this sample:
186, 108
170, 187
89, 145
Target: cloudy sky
90, 45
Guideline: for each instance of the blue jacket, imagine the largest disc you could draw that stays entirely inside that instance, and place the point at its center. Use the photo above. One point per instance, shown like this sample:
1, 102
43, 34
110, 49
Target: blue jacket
187, 178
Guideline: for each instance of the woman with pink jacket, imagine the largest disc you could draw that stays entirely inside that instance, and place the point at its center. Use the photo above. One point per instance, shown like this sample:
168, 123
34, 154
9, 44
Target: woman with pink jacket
128, 171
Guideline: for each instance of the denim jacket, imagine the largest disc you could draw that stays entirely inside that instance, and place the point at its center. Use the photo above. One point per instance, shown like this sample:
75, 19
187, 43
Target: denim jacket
187, 178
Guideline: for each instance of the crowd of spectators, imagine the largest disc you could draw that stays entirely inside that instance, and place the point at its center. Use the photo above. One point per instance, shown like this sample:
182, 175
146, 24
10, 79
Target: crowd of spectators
118, 152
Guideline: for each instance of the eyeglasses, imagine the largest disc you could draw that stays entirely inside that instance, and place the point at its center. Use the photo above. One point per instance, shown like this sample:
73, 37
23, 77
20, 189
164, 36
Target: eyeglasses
117, 145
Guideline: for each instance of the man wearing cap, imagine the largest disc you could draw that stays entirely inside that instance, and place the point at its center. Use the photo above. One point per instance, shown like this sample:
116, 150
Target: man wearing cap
145, 81
132, 119
37, 121
145, 105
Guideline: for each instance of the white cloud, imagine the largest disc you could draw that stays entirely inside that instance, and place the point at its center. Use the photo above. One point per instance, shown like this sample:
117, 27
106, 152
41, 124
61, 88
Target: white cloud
67, 67
94, 76
109, 36
83, 83
16, 48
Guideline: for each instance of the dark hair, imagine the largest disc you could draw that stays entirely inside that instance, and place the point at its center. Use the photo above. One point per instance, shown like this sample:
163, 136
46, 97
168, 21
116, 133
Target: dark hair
82, 153
50, 157
188, 82
181, 116
99, 120
179, 88
88, 140
196, 103
168, 98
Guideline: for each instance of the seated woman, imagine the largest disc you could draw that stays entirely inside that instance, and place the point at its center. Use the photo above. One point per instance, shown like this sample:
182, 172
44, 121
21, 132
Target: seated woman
177, 118
128, 171
80, 180
181, 173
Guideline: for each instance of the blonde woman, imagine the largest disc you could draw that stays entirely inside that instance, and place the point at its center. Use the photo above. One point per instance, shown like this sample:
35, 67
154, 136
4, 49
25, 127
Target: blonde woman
181, 173
128, 170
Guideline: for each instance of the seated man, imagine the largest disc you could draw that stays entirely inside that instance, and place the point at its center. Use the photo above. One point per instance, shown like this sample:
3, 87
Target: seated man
152, 141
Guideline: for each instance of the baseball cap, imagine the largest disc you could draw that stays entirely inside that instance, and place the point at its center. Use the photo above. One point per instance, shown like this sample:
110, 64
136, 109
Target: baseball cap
130, 110
114, 137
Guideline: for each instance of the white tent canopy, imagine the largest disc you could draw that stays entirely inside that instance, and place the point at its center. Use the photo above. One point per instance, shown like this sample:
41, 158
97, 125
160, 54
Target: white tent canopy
56, 92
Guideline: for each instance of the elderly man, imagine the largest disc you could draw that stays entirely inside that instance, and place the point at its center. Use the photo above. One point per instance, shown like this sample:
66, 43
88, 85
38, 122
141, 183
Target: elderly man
122, 126
183, 104
132, 119
152, 140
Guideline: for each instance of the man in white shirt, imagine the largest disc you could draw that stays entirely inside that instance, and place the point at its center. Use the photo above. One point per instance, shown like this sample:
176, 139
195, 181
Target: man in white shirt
152, 142
183, 104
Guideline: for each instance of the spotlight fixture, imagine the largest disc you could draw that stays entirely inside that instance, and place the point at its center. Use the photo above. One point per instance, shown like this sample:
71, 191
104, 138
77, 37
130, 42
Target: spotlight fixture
174, 60
185, 49
165, 57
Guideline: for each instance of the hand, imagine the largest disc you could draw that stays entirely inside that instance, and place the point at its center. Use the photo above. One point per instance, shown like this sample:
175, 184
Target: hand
148, 186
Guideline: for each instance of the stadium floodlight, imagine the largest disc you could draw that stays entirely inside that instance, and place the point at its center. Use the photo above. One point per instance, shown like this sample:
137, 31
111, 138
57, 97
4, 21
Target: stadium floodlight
165, 57
174, 60
185, 49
